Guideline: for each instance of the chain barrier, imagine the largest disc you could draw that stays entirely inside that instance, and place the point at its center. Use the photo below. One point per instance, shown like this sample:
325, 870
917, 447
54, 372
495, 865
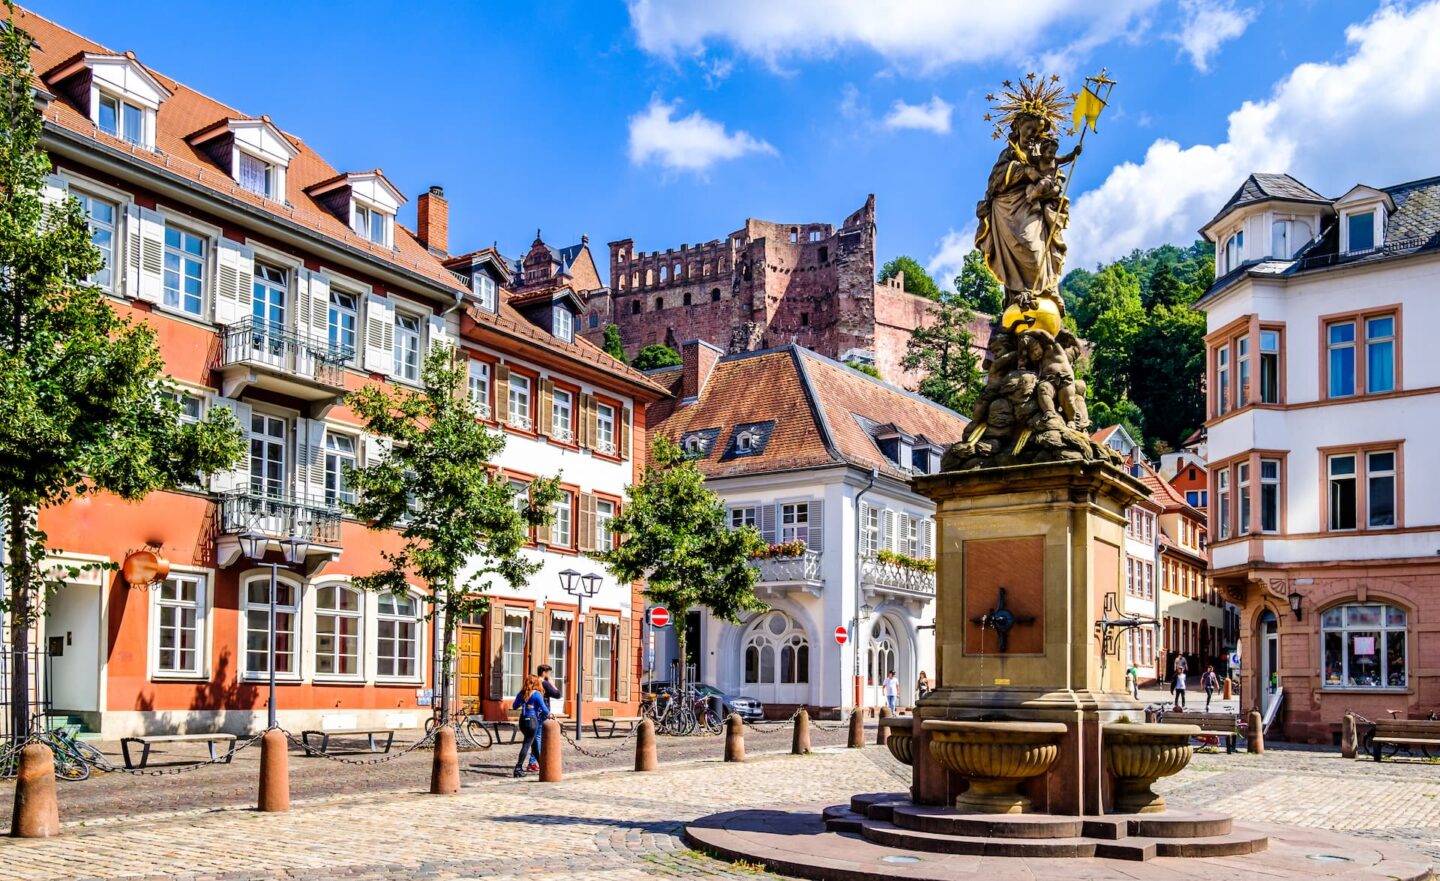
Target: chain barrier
97, 760
842, 725
575, 744
309, 750
771, 724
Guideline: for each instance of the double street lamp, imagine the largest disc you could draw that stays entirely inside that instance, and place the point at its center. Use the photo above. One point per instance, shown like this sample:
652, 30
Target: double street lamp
253, 545
582, 587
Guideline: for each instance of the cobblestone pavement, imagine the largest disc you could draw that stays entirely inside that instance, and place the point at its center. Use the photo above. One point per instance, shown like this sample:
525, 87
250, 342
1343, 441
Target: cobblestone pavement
619, 825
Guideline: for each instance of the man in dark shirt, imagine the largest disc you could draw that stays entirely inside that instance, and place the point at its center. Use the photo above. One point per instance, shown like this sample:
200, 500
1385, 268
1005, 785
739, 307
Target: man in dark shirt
551, 692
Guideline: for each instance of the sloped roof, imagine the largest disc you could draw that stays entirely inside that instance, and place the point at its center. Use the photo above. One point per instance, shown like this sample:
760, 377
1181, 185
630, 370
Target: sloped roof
1166, 496
1263, 187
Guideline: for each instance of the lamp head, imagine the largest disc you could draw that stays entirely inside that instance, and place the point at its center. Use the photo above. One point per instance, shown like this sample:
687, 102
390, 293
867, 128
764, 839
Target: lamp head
295, 549
569, 580
592, 584
1295, 598
253, 544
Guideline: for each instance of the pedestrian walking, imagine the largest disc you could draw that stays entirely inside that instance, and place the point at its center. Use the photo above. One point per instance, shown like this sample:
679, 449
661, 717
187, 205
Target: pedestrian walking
1132, 681
550, 692
922, 686
1209, 681
1179, 687
892, 692
533, 713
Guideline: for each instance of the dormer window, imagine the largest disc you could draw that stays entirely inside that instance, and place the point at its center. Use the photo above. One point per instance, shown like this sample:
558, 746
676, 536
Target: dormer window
252, 151
1360, 231
371, 223
120, 118
485, 291
695, 445
116, 93
745, 442
365, 200
1234, 250
563, 322
256, 175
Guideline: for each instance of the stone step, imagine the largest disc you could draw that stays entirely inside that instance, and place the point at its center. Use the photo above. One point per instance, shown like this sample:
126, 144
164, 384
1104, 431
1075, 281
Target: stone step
839, 818
862, 803
890, 835
1171, 824
1235, 843
948, 821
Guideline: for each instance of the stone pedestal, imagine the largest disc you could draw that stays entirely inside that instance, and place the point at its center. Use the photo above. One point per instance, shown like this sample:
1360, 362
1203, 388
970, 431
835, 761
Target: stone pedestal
1052, 536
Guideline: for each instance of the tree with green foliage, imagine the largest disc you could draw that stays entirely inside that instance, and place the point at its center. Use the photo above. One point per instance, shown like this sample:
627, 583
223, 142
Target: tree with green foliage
86, 405
1125, 413
867, 369
1166, 290
654, 356
944, 351
1112, 286
978, 287
1167, 366
461, 527
613, 347
676, 537
917, 281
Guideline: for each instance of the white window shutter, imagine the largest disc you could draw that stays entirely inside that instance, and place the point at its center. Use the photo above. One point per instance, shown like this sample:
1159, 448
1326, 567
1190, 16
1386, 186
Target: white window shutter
237, 478
132, 251
767, 523
438, 331
375, 449
234, 282
303, 324
56, 190
863, 512
887, 530
310, 460
320, 306
927, 539
816, 530
379, 334
144, 253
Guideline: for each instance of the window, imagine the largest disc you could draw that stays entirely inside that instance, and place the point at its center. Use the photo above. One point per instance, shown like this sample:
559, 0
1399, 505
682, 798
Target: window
685, 299
562, 407
1380, 489
1269, 366
520, 401
407, 347
594, 320
184, 271
776, 644
1340, 343
1196, 498
605, 639
344, 315
479, 379
1360, 230
339, 453
1242, 485
742, 517
558, 654
563, 322
257, 627
338, 610
1380, 354
1222, 383
267, 306
485, 290
795, 522
192, 407
560, 532
179, 619
1242, 366
869, 530
1234, 250
1364, 646
659, 301
373, 225
267, 456
513, 651
814, 235
1280, 239
1269, 495
1342, 492
520, 496
121, 119
605, 428
714, 295
256, 175
100, 215
635, 307
604, 516
1222, 502
397, 630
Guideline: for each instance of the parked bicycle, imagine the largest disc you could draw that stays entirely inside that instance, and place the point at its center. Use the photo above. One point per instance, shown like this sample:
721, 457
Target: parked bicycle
469, 726
74, 758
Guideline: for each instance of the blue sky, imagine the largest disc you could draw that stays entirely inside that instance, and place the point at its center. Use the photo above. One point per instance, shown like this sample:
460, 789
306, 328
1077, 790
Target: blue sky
671, 122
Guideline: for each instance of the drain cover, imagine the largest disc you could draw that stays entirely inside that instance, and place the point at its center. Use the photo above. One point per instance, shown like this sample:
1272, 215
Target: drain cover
899, 859
1329, 858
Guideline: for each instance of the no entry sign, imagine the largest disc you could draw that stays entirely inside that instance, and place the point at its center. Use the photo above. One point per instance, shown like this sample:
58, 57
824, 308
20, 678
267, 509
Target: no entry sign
841, 635
659, 616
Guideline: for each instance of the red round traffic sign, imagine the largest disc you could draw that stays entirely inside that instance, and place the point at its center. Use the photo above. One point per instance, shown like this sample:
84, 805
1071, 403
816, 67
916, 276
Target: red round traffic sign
841, 635
659, 616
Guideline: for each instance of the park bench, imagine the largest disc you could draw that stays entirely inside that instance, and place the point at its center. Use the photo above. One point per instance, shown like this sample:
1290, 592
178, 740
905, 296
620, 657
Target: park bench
1217, 724
148, 740
606, 716
370, 735
1403, 733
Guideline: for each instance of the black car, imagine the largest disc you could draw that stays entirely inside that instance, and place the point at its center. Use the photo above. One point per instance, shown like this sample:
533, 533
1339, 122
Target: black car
748, 708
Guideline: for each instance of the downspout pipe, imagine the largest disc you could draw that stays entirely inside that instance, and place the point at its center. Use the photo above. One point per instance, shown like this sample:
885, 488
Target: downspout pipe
859, 588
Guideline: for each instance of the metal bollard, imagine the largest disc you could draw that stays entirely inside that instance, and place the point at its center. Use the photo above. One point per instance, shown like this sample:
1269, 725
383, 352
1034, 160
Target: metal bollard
734, 738
37, 808
1255, 733
882, 733
645, 746
274, 773
857, 729
550, 764
445, 764
1347, 736
800, 738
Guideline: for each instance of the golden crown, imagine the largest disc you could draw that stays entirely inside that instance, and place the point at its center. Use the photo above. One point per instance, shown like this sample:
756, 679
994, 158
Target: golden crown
1036, 96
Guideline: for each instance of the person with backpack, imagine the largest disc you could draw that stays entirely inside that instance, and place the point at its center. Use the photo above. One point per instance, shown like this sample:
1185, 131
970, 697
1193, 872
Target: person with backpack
533, 713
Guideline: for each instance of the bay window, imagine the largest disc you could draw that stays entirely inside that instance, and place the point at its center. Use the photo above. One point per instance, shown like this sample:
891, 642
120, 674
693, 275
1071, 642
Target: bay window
338, 610
1222, 380
1364, 646
1269, 366
1269, 495
1222, 502
1242, 486
1242, 366
397, 630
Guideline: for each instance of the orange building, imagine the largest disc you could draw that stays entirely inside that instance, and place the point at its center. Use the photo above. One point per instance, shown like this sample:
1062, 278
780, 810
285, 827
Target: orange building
275, 284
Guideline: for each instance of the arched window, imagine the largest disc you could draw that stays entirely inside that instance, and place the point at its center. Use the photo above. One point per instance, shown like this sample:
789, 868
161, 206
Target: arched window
664, 274
338, 612
883, 654
397, 632
659, 303
686, 298
1364, 646
679, 272
776, 651
714, 295
257, 627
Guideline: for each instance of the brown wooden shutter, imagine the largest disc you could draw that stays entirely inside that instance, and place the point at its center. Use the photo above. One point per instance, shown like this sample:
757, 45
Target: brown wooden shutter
586, 522
502, 393
588, 419
542, 533
625, 433
546, 419
539, 638
497, 651
624, 662
587, 649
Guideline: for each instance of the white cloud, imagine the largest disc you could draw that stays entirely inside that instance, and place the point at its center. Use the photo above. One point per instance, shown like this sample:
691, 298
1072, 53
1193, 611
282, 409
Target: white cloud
933, 116
922, 34
944, 265
1372, 117
1208, 24
689, 143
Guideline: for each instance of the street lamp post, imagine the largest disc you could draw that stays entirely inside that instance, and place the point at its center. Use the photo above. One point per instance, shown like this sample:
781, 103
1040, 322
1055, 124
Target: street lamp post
253, 545
581, 587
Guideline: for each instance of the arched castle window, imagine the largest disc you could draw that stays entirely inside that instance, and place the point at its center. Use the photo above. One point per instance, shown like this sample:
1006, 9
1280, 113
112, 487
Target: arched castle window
776, 651
659, 303
664, 274
687, 298
715, 295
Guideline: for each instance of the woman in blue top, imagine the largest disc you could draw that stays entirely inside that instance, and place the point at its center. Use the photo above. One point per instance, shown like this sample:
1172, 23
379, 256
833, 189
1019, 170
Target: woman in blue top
533, 712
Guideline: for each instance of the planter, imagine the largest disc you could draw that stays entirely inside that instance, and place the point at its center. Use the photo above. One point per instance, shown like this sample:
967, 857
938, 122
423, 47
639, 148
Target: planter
995, 757
1138, 755
900, 739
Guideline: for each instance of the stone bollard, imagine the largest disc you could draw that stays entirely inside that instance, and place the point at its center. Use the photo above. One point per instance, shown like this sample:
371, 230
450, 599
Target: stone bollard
882, 733
857, 729
37, 810
800, 738
645, 746
734, 738
445, 764
1255, 733
1229, 688
1149, 714
274, 772
1347, 736
550, 764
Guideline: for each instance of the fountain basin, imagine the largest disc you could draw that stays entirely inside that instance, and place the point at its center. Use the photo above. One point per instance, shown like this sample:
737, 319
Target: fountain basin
995, 758
900, 738
1140, 754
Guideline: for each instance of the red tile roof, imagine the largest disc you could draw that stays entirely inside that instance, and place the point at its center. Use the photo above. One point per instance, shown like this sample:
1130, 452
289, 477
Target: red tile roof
1166, 496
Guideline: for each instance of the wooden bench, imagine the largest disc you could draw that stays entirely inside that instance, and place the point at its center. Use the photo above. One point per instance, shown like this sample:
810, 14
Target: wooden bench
370, 735
148, 740
1217, 724
1398, 733
606, 716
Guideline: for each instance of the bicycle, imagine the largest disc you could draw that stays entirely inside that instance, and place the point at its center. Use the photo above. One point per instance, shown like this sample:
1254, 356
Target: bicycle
73, 758
468, 724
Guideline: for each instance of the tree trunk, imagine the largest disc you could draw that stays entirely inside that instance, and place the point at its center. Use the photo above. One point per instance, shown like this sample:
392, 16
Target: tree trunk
20, 602
678, 622
447, 638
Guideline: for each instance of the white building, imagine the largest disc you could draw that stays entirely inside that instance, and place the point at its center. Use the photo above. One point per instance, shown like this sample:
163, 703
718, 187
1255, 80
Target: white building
1318, 399
818, 457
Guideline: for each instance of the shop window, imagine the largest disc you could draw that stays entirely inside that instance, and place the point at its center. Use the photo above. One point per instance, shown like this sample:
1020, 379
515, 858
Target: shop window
1365, 647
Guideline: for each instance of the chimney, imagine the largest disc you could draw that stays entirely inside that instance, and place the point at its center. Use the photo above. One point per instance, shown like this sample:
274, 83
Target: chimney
697, 359
432, 221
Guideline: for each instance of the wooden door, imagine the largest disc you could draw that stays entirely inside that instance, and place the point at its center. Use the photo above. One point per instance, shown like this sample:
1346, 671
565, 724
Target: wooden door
470, 666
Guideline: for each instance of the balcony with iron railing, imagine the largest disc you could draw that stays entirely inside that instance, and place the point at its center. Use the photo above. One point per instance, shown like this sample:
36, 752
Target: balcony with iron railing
893, 576
799, 571
278, 517
264, 355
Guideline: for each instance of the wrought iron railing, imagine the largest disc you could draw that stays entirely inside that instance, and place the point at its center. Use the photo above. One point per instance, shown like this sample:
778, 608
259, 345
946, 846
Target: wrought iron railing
1394, 246
805, 567
281, 349
279, 516
888, 573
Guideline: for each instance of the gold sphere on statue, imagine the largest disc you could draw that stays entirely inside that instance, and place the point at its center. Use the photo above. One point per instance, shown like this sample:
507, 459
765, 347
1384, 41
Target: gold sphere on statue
1045, 315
